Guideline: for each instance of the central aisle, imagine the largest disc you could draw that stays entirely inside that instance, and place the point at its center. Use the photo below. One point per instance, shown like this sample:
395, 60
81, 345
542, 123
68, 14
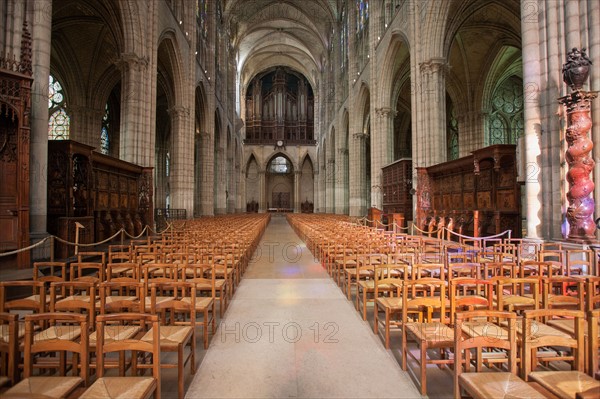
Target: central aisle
289, 332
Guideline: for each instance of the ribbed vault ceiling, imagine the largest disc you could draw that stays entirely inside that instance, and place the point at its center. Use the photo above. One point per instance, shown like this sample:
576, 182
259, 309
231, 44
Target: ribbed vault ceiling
293, 33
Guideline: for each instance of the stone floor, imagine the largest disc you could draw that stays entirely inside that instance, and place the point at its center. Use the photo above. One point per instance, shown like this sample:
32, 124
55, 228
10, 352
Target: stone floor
289, 332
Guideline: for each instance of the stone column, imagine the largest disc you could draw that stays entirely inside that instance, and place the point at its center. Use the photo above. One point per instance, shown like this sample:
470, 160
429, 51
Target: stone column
262, 195
316, 204
341, 193
358, 175
38, 151
182, 161
137, 144
207, 173
86, 124
220, 186
382, 153
297, 178
532, 122
433, 98
331, 176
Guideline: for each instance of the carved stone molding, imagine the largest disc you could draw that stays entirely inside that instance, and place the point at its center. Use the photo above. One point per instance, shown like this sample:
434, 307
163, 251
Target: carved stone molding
434, 65
385, 112
178, 112
360, 136
129, 60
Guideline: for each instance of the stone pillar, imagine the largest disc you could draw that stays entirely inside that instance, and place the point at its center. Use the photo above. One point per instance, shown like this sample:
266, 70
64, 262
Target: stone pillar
382, 153
221, 183
358, 175
86, 124
341, 193
182, 161
41, 35
262, 188
532, 122
331, 176
207, 173
432, 148
322, 191
297, 178
137, 142
316, 194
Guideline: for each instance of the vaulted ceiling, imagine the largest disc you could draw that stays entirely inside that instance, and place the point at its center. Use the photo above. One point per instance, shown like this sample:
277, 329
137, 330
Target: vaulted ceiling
293, 33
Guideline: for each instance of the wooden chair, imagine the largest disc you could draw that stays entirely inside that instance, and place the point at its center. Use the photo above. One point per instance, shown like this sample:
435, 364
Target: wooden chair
80, 297
564, 384
390, 305
516, 294
123, 269
130, 387
87, 271
81, 256
594, 344
118, 297
366, 288
485, 337
205, 305
35, 301
9, 348
541, 343
428, 332
49, 272
177, 310
58, 338
579, 262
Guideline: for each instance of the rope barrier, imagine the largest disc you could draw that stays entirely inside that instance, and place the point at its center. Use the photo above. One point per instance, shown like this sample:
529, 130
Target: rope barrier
88, 245
16, 251
481, 238
426, 232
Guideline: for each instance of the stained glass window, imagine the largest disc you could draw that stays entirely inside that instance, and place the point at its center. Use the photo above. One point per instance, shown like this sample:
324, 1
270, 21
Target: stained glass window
201, 13
344, 39
280, 165
59, 121
167, 164
362, 14
104, 137
505, 123
452, 131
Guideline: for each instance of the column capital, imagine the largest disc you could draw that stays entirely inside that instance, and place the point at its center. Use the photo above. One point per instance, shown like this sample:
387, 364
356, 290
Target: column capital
297, 172
178, 111
385, 112
434, 65
131, 61
342, 151
359, 136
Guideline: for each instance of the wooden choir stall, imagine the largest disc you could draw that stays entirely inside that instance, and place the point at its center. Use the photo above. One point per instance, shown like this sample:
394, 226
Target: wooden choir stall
478, 194
102, 193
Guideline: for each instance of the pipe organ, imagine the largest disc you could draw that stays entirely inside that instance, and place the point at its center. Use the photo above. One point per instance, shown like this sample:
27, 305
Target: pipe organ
279, 106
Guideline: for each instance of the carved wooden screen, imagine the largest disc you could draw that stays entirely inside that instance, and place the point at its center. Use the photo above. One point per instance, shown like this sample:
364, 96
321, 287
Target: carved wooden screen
397, 183
484, 182
15, 92
83, 184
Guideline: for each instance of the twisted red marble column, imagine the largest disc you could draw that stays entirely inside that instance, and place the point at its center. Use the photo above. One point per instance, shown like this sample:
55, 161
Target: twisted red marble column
581, 164
578, 103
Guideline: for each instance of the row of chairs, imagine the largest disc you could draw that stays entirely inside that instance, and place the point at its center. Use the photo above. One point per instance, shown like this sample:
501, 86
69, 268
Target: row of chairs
409, 293
182, 290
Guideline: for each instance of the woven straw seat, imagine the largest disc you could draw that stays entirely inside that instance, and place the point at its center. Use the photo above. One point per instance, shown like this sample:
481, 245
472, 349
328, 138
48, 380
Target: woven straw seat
121, 387
565, 384
498, 385
4, 331
114, 333
432, 333
44, 387
171, 337
68, 333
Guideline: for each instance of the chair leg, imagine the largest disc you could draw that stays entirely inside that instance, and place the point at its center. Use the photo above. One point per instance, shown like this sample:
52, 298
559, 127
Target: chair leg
423, 369
387, 329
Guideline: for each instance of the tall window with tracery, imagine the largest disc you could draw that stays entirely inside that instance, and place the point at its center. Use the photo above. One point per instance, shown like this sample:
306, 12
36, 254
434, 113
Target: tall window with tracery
344, 39
59, 121
451, 131
362, 14
104, 132
505, 123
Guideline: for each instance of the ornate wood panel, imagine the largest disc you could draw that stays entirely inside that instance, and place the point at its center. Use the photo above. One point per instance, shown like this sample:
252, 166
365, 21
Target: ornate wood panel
15, 105
485, 181
397, 183
85, 183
